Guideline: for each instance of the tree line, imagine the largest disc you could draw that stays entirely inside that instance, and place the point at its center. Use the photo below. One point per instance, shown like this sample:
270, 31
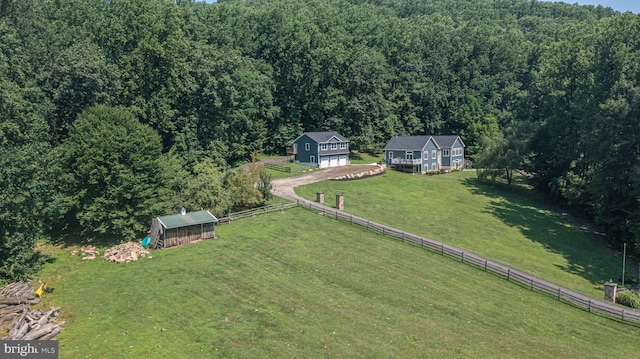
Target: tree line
115, 111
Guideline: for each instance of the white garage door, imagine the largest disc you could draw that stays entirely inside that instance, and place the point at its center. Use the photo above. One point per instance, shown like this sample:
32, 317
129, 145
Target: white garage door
342, 160
333, 161
324, 162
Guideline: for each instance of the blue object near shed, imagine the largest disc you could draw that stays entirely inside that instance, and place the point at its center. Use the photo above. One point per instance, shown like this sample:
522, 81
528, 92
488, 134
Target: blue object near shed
146, 241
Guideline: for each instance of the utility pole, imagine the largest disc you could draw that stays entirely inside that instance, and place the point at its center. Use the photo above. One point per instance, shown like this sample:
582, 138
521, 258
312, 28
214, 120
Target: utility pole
624, 258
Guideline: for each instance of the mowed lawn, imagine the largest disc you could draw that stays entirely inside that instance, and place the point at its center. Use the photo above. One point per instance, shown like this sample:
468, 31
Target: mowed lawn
505, 226
301, 285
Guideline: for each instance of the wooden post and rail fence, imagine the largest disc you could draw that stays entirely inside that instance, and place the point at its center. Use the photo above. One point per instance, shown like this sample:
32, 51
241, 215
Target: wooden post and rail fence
565, 295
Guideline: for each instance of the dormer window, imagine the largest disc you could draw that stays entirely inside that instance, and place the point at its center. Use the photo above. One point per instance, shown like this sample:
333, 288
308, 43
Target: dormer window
334, 146
343, 145
323, 146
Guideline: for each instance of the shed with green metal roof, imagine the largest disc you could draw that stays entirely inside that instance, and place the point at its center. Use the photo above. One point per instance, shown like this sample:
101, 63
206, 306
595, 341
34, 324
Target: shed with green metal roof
177, 229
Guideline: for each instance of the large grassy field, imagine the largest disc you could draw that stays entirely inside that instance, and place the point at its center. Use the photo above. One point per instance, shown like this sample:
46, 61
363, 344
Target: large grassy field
505, 226
305, 286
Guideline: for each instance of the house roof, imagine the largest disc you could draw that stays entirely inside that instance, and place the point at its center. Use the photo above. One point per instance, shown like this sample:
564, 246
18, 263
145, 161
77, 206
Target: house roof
407, 143
323, 137
447, 141
418, 142
189, 219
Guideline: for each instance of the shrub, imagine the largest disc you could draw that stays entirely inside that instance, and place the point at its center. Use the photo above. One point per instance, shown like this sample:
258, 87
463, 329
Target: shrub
629, 299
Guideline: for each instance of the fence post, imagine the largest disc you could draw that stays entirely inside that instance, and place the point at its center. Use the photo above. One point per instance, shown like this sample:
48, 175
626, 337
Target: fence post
559, 294
403, 236
532, 287
485, 264
442, 248
351, 219
508, 273
382, 231
623, 316
462, 257
589, 305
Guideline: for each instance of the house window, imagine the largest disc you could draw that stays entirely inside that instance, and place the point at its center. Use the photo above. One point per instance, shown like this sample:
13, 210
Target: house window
433, 154
312, 159
334, 146
433, 166
445, 153
390, 155
426, 155
323, 146
408, 155
343, 145
306, 147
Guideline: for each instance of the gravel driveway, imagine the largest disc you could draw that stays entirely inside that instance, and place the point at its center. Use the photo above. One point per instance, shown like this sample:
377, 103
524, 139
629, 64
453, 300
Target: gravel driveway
284, 187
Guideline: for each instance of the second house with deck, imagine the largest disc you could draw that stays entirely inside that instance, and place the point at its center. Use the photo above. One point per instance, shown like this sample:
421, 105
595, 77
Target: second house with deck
423, 154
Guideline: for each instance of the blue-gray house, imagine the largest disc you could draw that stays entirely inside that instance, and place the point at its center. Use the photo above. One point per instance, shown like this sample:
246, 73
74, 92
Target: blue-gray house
321, 149
425, 153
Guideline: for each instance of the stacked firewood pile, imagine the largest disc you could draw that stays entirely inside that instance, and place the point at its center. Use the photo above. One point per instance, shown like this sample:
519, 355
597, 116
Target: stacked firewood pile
87, 252
126, 252
15, 302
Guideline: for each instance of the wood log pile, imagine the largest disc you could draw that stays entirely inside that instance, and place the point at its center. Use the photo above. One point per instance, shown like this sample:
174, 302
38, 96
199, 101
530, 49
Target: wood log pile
15, 303
126, 252
87, 252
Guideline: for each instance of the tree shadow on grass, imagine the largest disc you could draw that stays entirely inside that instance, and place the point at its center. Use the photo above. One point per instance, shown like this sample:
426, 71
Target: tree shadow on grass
70, 235
587, 251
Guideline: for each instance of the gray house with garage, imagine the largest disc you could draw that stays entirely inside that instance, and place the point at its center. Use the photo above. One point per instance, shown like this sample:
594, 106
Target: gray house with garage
423, 154
321, 149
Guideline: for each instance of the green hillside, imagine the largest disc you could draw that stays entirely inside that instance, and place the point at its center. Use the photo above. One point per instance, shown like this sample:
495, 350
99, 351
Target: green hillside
301, 285
508, 227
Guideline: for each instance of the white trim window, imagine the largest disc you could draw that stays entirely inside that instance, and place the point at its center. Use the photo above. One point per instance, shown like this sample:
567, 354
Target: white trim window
434, 166
445, 153
343, 145
323, 147
408, 155
426, 155
306, 146
433, 154
390, 155
312, 159
334, 146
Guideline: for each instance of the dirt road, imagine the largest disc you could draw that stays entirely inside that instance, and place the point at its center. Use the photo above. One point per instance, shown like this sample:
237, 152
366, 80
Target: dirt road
284, 187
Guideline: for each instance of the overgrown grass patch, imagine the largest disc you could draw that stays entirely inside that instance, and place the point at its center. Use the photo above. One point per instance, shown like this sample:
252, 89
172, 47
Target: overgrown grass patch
509, 227
302, 285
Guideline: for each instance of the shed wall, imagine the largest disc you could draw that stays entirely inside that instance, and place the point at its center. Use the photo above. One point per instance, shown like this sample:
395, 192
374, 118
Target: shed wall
184, 235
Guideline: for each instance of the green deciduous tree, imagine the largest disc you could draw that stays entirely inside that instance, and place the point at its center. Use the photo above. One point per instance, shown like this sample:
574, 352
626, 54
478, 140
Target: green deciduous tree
26, 163
117, 177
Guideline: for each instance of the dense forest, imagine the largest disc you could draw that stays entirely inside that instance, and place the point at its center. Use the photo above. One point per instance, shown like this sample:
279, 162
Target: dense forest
114, 111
